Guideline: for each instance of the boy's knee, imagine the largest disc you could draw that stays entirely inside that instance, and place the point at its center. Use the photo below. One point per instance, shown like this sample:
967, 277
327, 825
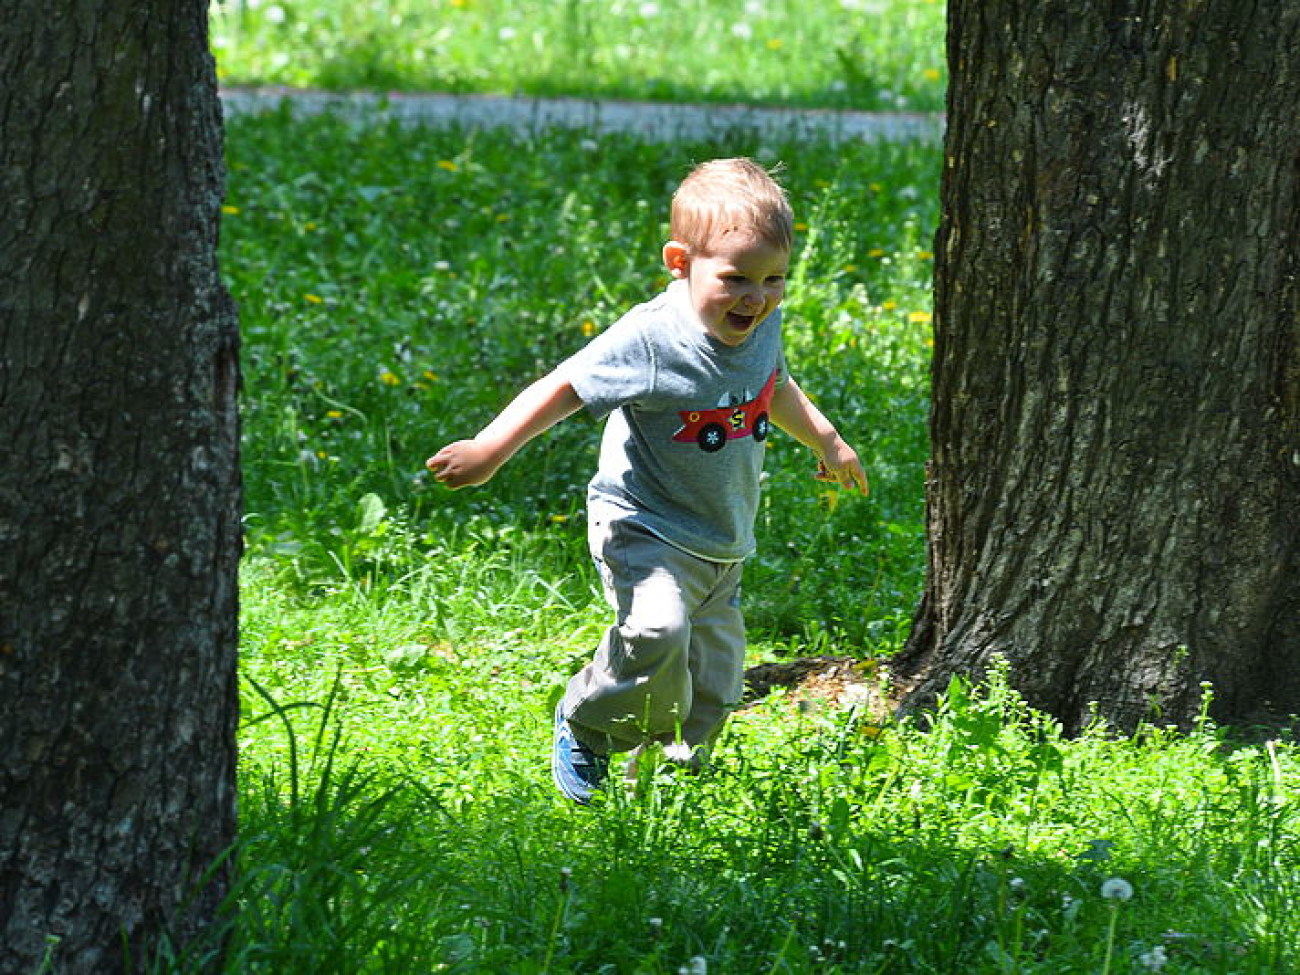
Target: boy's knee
655, 642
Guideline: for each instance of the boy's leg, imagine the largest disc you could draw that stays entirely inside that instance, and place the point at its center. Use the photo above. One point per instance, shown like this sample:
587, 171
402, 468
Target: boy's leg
717, 664
640, 684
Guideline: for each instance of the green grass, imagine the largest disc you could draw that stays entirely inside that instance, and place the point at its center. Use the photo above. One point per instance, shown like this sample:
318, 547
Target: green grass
402, 645
864, 54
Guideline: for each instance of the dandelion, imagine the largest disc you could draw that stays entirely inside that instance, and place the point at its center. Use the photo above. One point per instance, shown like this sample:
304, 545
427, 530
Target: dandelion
430, 375
876, 252
559, 519
800, 227
334, 414
313, 299
1117, 889
230, 211
920, 318
388, 378
925, 255
775, 44
889, 306
309, 225
931, 74
588, 328
448, 165
849, 268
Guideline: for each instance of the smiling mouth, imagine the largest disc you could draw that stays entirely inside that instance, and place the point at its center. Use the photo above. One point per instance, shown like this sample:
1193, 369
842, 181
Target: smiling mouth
742, 323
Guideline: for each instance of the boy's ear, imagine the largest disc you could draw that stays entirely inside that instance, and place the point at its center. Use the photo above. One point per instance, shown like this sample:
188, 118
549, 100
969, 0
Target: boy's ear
677, 258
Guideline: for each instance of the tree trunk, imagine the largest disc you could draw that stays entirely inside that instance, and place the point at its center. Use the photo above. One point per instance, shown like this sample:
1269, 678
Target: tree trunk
119, 496
1114, 495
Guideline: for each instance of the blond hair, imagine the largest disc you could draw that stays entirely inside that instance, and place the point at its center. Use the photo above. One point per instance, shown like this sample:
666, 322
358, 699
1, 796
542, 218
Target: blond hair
726, 196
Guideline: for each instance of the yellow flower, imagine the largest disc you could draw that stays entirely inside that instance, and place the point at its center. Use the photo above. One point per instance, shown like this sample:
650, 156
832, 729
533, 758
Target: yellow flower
389, 379
448, 165
775, 44
920, 317
334, 414
850, 268
931, 74
309, 225
589, 328
876, 252
924, 255
559, 519
800, 227
230, 211
430, 375
313, 299
889, 306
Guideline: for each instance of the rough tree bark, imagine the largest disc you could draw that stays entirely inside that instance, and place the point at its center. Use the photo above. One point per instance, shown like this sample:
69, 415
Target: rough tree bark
119, 498
1114, 496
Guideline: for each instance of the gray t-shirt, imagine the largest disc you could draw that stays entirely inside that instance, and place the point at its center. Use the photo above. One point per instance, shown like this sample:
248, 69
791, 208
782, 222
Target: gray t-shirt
688, 420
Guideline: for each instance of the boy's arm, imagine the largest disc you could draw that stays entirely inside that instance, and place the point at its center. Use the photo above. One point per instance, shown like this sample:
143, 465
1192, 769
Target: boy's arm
466, 463
795, 413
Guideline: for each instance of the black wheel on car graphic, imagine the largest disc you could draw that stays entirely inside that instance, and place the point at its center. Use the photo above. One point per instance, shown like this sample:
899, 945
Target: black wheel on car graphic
762, 426
712, 437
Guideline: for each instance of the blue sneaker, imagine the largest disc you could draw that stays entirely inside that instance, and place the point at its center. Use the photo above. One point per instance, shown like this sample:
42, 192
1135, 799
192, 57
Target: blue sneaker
575, 768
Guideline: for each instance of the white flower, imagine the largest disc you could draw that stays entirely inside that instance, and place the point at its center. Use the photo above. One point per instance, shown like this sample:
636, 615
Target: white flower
506, 34
1155, 959
274, 14
699, 965
742, 30
1117, 889
649, 10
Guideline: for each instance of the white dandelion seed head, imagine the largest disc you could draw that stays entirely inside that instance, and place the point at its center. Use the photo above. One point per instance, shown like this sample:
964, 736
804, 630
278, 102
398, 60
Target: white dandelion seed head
1117, 889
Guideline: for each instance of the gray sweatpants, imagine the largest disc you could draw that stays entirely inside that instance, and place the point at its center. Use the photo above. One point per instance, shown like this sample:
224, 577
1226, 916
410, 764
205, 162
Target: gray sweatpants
671, 668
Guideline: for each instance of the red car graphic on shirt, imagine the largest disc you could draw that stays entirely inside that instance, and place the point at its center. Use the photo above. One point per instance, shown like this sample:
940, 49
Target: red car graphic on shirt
711, 429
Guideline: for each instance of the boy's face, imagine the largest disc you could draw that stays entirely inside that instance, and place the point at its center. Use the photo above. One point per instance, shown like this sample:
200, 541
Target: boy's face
734, 285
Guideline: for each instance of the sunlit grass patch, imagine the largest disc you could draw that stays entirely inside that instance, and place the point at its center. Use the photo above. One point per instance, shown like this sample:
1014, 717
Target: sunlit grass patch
864, 54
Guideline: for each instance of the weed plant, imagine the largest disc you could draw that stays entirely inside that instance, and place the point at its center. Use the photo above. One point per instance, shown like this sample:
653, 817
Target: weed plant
402, 645
865, 54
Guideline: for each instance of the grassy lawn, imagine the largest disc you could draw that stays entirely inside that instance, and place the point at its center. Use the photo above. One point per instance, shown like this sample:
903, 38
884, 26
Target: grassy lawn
866, 54
403, 645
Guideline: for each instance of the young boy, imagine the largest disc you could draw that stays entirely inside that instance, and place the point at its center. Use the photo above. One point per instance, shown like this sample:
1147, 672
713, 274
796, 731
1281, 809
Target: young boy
691, 382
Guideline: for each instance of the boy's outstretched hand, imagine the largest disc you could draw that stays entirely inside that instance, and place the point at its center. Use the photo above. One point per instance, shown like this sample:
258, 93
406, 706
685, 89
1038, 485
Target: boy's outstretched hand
465, 463
841, 467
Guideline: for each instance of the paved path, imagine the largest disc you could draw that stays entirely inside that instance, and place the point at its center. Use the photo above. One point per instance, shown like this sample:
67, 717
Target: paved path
655, 121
